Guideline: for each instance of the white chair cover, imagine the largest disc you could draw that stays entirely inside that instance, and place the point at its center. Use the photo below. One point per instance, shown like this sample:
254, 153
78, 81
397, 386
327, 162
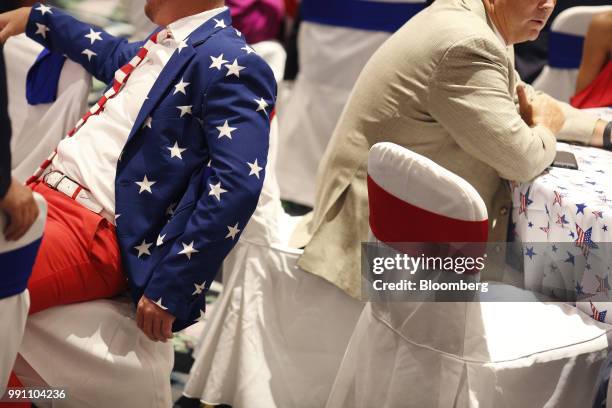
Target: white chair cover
335, 41
96, 351
560, 83
274, 54
277, 334
489, 354
331, 59
14, 309
38, 129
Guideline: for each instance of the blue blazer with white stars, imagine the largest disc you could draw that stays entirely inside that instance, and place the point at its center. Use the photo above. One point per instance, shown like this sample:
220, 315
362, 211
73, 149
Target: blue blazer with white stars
192, 169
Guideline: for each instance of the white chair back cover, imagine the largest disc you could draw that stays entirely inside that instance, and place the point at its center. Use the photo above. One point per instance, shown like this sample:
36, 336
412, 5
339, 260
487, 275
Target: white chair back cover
335, 41
459, 354
405, 183
560, 82
274, 54
38, 129
331, 59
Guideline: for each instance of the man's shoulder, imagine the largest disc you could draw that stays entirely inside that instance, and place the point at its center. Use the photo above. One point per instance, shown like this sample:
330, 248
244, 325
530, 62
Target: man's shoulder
449, 24
227, 47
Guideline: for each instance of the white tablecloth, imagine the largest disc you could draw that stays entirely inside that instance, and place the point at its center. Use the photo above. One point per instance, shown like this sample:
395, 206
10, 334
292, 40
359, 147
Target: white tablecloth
564, 220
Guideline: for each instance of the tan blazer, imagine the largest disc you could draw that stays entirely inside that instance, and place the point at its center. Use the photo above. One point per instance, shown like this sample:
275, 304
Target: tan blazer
444, 87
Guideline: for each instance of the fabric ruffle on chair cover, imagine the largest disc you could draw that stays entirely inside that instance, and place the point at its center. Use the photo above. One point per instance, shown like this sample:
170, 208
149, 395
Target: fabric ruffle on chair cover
277, 335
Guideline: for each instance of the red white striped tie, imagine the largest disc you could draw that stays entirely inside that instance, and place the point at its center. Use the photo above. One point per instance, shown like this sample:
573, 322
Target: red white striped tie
121, 77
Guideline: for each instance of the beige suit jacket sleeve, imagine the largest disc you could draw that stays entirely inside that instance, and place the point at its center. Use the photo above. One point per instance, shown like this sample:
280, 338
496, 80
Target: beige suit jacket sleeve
578, 126
470, 98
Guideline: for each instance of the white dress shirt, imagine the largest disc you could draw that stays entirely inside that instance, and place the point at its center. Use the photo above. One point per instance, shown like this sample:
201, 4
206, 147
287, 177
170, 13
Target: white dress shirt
90, 156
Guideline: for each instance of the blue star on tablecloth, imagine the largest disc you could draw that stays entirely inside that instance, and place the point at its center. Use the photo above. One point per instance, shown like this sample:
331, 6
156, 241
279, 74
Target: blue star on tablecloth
530, 252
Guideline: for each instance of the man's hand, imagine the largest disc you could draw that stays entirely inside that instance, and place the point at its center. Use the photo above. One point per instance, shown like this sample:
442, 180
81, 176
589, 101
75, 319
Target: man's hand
155, 322
21, 208
542, 110
13, 23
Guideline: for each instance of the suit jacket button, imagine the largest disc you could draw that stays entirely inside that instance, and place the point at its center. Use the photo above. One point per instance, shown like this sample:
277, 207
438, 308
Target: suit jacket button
503, 211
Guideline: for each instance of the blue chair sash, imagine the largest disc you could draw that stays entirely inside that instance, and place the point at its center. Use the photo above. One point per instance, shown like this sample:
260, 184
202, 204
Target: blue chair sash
360, 14
16, 268
43, 78
564, 50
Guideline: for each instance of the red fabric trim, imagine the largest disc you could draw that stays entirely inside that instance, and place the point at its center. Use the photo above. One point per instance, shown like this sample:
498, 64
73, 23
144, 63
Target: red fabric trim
143, 52
76, 192
394, 220
292, 8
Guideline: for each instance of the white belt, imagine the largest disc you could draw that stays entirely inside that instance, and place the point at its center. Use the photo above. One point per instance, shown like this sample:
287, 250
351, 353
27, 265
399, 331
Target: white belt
60, 182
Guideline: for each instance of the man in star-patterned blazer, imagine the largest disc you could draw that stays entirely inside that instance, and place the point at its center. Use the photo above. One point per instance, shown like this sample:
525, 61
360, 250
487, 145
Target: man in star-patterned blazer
156, 182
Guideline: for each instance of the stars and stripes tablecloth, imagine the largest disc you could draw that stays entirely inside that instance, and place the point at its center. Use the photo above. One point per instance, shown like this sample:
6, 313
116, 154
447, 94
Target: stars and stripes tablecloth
563, 219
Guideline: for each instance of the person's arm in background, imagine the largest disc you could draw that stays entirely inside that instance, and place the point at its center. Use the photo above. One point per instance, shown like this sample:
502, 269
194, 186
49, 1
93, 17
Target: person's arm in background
597, 48
15, 199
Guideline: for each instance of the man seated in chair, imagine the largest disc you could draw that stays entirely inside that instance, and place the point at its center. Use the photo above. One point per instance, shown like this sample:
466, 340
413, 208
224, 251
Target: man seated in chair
443, 86
153, 186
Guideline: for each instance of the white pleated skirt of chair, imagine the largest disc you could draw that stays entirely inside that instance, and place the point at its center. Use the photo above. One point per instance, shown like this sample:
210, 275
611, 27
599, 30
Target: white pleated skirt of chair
277, 335
490, 354
97, 353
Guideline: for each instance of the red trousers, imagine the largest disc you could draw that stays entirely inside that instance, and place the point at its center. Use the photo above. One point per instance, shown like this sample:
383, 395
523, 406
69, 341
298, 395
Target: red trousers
78, 259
